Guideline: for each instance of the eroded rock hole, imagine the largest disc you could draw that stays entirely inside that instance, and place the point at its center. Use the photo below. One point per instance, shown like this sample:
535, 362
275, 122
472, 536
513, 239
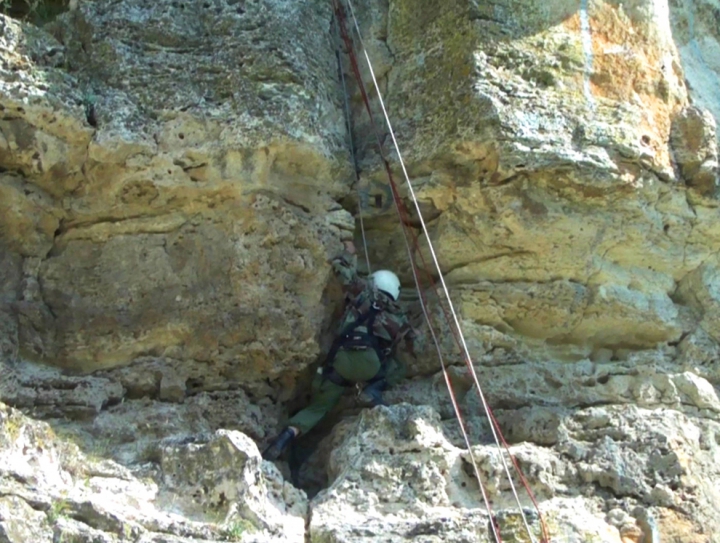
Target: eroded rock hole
194, 384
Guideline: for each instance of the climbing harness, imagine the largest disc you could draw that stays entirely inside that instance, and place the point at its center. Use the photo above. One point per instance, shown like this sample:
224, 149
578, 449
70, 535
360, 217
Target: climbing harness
352, 339
449, 311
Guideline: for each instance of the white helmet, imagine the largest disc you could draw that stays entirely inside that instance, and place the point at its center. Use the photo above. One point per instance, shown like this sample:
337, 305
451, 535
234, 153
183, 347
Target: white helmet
387, 282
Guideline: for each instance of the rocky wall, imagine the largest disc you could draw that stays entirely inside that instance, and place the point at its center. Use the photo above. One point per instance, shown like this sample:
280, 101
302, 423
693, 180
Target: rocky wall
568, 182
169, 188
175, 175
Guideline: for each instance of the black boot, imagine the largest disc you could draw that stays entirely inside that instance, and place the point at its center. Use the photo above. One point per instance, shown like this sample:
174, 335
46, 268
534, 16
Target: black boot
279, 444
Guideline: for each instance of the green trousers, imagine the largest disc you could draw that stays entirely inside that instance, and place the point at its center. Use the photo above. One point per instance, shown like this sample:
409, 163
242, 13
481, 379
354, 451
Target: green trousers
355, 366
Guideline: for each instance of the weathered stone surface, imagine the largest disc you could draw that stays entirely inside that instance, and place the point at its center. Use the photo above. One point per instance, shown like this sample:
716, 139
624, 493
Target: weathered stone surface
189, 287
44, 134
222, 473
169, 194
20, 523
696, 34
28, 218
192, 196
699, 353
538, 143
693, 138
172, 387
700, 290
49, 393
393, 473
230, 62
174, 195
536, 393
512, 68
10, 275
389, 481
116, 418
52, 490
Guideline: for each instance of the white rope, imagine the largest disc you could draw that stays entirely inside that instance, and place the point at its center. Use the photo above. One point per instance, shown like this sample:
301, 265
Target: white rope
440, 275
456, 408
440, 356
352, 145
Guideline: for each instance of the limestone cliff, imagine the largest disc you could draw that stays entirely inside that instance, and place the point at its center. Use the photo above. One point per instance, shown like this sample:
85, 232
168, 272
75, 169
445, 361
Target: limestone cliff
174, 176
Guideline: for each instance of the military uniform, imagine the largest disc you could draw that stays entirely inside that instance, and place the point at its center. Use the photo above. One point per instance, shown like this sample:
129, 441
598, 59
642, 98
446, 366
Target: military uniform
354, 363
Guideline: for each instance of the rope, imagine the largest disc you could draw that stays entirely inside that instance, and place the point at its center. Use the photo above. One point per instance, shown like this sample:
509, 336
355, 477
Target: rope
403, 219
459, 335
457, 331
348, 125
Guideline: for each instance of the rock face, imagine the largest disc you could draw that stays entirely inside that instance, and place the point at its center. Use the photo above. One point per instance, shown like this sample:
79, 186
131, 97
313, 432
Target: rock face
544, 146
206, 488
175, 175
165, 227
615, 475
698, 41
693, 139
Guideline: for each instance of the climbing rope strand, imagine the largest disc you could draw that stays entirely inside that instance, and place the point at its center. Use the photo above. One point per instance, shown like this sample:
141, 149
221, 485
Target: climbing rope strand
458, 336
348, 124
453, 398
400, 209
462, 343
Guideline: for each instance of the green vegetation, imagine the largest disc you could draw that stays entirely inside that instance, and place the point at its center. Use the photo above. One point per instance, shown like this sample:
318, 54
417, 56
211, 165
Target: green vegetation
13, 427
235, 529
57, 510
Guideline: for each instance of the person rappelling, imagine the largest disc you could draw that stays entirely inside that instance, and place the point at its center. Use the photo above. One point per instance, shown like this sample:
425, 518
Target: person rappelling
363, 354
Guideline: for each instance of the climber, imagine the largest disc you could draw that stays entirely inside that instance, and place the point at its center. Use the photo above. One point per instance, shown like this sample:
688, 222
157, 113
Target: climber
363, 354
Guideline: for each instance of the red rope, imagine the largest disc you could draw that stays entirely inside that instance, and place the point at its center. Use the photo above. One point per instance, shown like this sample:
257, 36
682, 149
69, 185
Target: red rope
400, 206
405, 222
